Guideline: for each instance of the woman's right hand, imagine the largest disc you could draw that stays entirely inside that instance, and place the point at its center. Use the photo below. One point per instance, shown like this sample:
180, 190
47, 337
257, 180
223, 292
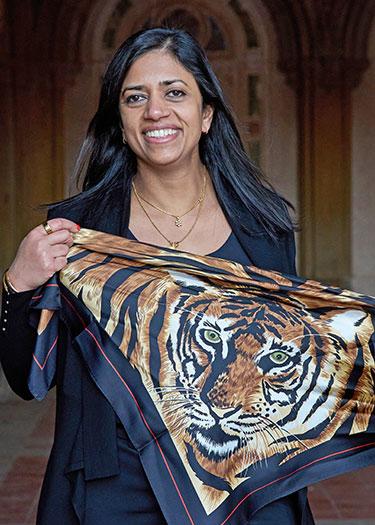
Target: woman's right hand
40, 254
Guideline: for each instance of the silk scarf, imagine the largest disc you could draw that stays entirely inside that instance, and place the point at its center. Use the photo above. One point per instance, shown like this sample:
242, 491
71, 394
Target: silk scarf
236, 385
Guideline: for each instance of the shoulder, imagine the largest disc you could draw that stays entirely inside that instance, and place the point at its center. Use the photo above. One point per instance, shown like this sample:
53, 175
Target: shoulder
99, 215
63, 212
287, 240
276, 252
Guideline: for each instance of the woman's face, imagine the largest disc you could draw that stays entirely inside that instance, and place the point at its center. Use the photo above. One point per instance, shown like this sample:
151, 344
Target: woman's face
162, 111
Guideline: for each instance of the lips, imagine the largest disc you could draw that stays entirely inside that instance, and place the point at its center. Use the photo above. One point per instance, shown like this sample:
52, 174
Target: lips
159, 135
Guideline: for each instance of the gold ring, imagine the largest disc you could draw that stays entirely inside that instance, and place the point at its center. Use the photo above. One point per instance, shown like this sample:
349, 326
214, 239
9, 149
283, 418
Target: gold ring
47, 228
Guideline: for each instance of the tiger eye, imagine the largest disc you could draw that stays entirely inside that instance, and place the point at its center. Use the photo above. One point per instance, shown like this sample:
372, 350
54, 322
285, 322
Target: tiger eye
211, 336
279, 357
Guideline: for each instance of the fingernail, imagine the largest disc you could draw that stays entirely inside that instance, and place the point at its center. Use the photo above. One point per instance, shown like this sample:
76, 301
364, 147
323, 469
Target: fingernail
78, 227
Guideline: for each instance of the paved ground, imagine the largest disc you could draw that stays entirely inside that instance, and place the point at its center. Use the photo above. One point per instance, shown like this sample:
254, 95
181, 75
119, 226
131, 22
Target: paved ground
26, 436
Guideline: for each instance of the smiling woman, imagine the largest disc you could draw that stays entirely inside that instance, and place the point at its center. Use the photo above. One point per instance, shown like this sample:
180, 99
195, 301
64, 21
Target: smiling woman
163, 164
163, 117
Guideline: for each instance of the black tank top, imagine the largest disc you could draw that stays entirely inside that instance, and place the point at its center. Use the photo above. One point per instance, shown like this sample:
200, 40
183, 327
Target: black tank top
230, 250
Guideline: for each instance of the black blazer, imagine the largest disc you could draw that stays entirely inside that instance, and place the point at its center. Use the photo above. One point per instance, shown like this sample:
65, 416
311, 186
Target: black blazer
85, 441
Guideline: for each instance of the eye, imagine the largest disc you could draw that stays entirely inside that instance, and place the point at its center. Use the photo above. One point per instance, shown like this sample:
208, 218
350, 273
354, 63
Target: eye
134, 99
176, 93
279, 357
211, 336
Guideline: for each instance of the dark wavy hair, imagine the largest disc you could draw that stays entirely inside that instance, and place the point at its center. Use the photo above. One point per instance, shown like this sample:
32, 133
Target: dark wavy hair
107, 166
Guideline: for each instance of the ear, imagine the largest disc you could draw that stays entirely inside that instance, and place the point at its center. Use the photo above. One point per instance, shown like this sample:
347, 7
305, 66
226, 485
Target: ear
346, 324
207, 116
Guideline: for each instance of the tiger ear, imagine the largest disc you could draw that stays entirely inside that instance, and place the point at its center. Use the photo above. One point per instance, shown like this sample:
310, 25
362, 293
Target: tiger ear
347, 323
188, 281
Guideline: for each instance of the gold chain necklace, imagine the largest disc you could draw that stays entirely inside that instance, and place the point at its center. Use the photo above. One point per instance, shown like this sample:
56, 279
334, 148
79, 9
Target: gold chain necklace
173, 244
178, 221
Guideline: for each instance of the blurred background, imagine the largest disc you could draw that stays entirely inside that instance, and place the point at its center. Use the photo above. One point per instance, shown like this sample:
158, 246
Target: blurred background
300, 75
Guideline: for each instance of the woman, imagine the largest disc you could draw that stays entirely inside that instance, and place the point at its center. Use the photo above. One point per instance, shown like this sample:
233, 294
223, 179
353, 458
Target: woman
162, 163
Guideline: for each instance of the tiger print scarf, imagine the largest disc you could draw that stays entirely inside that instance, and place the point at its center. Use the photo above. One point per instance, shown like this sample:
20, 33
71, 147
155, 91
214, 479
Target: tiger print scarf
236, 385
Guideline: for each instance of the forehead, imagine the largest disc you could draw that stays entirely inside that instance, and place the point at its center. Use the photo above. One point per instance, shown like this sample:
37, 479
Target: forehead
155, 67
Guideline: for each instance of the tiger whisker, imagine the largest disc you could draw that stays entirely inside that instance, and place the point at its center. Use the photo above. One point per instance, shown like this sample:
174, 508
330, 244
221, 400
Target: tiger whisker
265, 430
268, 431
172, 387
176, 405
250, 458
246, 462
178, 391
259, 433
178, 424
285, 431
177, 397
166, 400
279, 430
249, 454
175, 411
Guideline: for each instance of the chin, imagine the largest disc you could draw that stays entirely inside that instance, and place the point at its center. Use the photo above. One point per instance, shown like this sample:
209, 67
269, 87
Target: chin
163, 160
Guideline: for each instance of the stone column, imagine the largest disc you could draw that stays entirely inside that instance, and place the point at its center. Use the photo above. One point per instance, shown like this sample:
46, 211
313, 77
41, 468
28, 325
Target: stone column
324, 109
322, 52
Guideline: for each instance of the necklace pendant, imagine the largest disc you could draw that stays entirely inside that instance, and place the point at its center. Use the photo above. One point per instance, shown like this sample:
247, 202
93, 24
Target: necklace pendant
174, 244
178, 222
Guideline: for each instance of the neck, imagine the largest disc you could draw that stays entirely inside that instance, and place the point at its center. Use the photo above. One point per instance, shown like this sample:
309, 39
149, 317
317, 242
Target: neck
173, 190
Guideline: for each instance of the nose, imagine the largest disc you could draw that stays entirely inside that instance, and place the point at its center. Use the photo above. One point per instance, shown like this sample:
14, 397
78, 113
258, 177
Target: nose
156, 108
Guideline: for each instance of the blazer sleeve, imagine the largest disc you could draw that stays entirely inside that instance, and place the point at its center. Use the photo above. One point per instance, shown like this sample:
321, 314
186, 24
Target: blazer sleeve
17, 340
17, 336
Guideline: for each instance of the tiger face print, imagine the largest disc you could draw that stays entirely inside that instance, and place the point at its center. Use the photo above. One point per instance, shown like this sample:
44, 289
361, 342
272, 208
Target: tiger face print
244, 366
242, 380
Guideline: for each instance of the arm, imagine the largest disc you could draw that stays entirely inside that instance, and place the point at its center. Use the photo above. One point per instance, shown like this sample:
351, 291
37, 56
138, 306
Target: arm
38, 258
17, 339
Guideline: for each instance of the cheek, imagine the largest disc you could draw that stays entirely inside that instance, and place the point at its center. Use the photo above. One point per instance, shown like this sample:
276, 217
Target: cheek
129, 121
192, 116
127, 125
123, 115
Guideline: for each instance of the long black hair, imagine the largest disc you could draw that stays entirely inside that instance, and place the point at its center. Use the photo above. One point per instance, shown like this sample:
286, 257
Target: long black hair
108, 166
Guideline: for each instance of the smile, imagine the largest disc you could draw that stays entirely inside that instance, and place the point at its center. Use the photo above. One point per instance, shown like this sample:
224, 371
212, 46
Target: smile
160, 133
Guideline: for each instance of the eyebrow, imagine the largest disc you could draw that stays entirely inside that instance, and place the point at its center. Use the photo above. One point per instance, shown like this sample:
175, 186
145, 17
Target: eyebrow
140, 87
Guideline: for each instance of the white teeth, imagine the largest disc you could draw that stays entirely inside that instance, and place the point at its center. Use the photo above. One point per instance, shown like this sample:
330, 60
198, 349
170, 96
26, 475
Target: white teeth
161, 132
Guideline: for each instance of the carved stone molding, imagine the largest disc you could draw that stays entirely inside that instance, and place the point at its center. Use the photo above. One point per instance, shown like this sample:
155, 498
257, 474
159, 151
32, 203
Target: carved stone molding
325, 38
322, 39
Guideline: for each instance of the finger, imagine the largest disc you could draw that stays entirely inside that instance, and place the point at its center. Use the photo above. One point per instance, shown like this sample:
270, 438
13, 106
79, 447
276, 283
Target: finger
59, 250
59, 237
61, 224
60, 262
